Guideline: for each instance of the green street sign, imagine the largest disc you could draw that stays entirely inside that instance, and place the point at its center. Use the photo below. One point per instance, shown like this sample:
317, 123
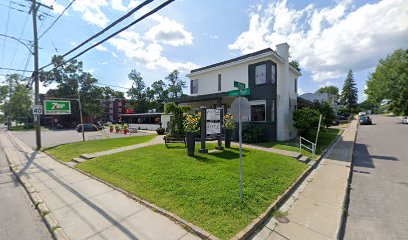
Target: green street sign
242, 92
239, 85
57, 107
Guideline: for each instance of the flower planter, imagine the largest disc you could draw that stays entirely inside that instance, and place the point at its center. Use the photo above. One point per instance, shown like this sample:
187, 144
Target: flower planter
228, 134
111, 130
125, 131
117, 130
190, 143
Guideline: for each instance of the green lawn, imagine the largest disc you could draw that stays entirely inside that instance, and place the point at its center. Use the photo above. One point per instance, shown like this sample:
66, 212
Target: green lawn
203, 190
68, 151
326, 136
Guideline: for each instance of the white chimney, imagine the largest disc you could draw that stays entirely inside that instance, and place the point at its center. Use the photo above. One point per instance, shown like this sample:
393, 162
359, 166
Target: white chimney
283, 51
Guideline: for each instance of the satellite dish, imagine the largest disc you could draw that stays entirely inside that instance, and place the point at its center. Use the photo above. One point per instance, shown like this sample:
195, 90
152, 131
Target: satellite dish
245, 109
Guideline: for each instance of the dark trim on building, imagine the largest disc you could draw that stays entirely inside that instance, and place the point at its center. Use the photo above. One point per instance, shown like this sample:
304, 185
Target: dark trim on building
303, 102
219, 82
266, 50
199, 98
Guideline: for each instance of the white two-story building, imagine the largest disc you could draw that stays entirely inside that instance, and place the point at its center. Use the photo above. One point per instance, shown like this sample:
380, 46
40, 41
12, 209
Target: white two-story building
273, 84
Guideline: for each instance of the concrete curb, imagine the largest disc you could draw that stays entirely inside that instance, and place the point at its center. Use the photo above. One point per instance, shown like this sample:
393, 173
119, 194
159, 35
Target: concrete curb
260, 221
346, 201
49, 219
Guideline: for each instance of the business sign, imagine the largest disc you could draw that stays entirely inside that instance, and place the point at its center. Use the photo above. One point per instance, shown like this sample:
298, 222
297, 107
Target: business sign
213, 128
57, 107
213, 114
37, 110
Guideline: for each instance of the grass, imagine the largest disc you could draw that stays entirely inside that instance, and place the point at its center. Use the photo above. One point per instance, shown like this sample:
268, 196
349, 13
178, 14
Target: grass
68, 151
21, 128
204, 190
326, 136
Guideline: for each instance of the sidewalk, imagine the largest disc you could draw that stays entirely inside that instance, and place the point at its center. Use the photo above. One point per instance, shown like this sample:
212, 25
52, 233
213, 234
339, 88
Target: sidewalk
83, 207
314, 211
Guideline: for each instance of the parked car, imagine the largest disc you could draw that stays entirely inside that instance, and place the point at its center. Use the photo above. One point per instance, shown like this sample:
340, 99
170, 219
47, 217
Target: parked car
336, 122
365, 120
362, 114
405, 120
88, 127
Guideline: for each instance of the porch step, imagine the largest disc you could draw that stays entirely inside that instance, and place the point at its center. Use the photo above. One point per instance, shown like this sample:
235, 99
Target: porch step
304, 159
79, 160
87, 156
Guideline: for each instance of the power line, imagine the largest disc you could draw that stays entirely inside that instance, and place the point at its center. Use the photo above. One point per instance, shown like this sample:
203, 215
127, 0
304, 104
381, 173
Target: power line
5, 33
110, 26
21, 35
13, 69
115, 33
59, 16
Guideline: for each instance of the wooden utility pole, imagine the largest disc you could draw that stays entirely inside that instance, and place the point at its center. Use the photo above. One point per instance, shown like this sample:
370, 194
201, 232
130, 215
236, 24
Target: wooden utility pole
34, 8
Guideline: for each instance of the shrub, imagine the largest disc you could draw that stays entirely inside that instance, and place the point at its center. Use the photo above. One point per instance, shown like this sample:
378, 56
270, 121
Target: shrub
253, 134
160, 131
306, 119
327, 112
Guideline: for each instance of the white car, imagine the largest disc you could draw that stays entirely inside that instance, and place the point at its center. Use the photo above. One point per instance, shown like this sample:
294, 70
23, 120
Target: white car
405, 120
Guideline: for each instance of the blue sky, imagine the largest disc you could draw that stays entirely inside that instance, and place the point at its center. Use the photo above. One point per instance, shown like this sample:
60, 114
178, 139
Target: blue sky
326, 37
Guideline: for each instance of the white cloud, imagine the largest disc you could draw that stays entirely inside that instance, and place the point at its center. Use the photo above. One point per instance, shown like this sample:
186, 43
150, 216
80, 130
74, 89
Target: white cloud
118, 5
150, 55
44, 89
58, 8
101, 48
168, 31
329, 41
73, 43
91, 11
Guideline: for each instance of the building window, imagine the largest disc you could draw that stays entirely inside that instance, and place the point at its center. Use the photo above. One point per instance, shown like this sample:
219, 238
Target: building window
273, 111
273, 73
258, 113
194, 86
260, 74
296, 85
219, 82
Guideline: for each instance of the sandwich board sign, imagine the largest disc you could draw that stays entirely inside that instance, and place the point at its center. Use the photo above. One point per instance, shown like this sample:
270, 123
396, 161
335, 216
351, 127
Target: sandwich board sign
57, 107
213, 121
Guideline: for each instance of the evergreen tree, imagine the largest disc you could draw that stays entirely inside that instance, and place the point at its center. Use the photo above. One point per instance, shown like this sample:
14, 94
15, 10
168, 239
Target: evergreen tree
349, 93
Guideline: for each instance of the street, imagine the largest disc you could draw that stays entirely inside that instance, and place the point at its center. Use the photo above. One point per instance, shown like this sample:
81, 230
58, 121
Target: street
379, 189
18, 218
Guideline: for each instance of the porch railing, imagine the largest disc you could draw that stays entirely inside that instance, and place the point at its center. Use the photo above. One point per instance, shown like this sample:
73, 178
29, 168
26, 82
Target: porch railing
304, 143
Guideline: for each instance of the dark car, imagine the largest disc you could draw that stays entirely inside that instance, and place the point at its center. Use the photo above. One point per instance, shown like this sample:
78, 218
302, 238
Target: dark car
365, 120
88, 127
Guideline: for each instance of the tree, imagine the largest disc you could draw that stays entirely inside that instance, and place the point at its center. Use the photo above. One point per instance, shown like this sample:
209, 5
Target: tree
161, 93
389, 82
295, 64
306, 119
349, 96
329, 90
177, 120
137, 92
328, 115
176, 85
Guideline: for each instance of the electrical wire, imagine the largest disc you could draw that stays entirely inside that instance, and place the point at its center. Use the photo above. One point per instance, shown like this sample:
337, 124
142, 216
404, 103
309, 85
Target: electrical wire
5, 33
59, 16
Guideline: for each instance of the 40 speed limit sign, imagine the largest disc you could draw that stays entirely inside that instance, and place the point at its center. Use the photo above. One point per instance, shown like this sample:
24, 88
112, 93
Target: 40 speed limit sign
37, 109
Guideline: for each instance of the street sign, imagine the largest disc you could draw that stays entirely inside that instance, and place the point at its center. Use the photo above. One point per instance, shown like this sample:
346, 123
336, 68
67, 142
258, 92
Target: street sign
213, 114
239, 85
57, 107
242, 92
245, 109
37, 109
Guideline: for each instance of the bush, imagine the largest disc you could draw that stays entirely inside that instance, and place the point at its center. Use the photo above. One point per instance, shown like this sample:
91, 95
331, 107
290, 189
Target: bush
253, 134
327, 112
160, 131
306, 119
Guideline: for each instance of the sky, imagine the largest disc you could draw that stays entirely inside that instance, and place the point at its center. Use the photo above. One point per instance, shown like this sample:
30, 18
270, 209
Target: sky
327, 37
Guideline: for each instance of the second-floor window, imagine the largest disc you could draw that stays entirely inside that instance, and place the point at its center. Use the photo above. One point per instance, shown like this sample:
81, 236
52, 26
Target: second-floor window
260, 74
194, 86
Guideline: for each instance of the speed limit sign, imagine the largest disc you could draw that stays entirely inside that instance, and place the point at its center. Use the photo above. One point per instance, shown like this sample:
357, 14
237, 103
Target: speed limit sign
37, 109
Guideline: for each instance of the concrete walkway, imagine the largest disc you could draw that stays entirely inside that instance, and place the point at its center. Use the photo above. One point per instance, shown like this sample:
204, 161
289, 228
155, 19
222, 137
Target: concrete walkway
83, 207
314, 211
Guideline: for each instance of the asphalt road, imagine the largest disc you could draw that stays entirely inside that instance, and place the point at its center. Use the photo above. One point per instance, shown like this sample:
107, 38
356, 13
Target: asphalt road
19, 220
50, 138
378, 207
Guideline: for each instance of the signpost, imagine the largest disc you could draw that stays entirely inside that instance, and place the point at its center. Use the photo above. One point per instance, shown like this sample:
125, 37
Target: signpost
57, 107
241, 91
37, 110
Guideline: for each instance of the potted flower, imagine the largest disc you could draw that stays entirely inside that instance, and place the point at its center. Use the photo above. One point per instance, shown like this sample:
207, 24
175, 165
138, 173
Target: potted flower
191, 127
111, 127
125, 128
117, 128
229, 126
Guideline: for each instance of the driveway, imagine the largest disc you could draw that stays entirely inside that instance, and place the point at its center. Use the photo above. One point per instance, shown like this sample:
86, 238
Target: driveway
378, 207
51, 138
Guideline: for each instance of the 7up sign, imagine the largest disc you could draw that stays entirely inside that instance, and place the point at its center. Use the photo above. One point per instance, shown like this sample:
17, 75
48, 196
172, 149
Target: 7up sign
56, 107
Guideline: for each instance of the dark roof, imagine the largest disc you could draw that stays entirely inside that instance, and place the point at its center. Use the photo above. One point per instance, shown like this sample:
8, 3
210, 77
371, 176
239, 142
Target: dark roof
233, 60
303, 102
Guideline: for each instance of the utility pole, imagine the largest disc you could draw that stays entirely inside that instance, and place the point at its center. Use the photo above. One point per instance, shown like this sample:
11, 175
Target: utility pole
34, 8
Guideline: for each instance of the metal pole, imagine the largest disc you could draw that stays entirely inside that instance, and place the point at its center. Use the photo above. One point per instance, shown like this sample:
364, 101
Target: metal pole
9, 106
240, 150
203, 129
35, 74
318, 129
80, 116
